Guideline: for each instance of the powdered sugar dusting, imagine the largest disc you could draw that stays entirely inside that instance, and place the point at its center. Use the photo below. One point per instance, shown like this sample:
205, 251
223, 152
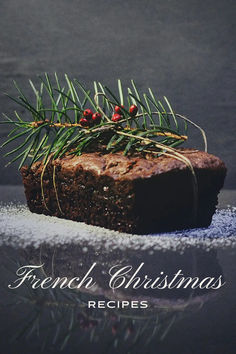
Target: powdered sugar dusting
20, 227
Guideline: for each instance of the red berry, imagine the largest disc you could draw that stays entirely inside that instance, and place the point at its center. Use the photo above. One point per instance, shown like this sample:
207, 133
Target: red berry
133, 110
96, 117
116, 117
118, 108
84, 122
88, 113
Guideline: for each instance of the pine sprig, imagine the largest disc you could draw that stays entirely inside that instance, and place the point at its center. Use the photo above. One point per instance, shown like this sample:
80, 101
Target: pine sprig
53, 127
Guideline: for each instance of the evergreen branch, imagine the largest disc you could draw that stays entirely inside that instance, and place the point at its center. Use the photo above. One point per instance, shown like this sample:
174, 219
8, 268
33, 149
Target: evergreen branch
143, 108
74, 96
86, 94
152, 99
121, 92
172, 113
105, 102
59, 128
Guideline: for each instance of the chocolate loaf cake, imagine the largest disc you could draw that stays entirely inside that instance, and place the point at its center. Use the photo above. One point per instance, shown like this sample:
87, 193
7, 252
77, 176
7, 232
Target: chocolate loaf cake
134, 194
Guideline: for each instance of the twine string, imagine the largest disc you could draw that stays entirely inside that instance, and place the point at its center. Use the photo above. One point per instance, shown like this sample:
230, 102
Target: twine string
41, 184
55, 189
54, 186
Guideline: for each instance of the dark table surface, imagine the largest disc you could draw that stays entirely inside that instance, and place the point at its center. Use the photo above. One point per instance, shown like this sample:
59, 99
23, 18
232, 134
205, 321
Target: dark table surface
176, 321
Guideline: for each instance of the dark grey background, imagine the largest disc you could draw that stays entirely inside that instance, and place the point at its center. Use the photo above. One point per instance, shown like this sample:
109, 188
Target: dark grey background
183, 49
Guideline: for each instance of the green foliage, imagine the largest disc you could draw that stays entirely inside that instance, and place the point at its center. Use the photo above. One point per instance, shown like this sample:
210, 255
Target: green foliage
52, 127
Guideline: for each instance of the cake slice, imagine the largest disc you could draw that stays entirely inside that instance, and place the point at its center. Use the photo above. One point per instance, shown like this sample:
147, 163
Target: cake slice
135, 194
